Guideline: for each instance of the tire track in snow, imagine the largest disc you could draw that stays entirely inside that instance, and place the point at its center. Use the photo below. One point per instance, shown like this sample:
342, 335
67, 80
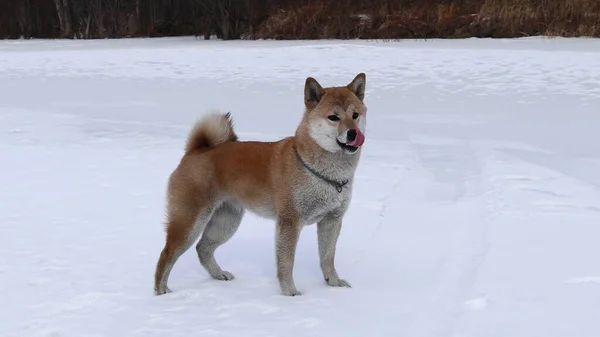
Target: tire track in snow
468, 231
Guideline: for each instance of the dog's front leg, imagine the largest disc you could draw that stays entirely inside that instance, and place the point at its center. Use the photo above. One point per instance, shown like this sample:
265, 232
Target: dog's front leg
288, 232
328, 231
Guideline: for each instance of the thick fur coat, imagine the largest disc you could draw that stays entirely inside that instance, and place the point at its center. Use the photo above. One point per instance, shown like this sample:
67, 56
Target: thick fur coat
297, 181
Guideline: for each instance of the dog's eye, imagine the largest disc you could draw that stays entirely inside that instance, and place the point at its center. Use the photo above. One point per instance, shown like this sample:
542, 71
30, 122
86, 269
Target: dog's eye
355, 115
333, 118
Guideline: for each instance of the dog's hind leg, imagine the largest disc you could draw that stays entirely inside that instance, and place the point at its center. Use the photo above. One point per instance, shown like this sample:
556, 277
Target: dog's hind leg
223, 224
184, 226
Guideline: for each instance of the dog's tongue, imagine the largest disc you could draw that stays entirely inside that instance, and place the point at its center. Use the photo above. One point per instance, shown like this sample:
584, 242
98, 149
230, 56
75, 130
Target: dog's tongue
359, 140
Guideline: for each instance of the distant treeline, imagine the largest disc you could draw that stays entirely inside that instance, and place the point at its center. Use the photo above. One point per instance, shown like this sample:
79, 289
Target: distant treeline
298, 19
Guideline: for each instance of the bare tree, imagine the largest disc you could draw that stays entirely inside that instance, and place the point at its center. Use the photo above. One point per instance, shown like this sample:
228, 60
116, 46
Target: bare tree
65, 18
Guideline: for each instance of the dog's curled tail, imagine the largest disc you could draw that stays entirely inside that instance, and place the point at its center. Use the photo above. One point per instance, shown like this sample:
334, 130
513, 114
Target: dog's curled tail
211, 130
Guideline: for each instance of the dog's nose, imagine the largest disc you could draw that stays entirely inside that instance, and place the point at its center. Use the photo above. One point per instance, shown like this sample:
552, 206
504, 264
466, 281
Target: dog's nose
351, 135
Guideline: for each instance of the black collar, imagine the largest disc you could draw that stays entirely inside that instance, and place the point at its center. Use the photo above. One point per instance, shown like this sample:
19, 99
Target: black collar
338, 185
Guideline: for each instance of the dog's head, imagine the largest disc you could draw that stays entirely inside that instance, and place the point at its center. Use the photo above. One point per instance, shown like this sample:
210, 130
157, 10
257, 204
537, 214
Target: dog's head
336, 115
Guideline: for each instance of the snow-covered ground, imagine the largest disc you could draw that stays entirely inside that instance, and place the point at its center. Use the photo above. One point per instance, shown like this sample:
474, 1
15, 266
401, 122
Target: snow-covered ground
476, 210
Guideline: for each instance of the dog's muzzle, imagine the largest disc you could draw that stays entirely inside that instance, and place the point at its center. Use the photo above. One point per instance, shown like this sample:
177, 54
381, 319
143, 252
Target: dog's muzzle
354, 139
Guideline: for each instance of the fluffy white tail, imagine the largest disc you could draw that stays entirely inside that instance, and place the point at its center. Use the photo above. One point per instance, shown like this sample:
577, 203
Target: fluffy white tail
211, 130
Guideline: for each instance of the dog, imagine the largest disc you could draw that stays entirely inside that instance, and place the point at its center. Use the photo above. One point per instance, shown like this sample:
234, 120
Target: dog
297, 181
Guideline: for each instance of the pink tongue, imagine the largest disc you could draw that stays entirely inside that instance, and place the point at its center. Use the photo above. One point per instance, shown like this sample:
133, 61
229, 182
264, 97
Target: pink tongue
359, 140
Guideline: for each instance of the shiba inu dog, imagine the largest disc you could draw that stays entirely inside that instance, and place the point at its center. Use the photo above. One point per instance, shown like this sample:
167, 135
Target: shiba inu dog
296, 181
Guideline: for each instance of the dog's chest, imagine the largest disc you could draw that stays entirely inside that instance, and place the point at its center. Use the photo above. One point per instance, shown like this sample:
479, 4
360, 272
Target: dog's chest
314, 201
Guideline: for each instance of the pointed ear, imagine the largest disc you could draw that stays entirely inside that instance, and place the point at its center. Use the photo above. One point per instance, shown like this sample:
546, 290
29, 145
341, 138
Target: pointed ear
357, 86
312, 92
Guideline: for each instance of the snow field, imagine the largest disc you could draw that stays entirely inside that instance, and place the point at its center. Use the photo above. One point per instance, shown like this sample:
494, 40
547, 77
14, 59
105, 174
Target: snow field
476, 208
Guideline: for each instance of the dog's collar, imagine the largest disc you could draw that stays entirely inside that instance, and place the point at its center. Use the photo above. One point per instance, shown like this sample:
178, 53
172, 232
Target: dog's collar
338, 185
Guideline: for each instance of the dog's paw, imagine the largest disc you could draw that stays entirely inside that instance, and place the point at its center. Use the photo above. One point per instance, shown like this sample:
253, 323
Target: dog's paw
162, 291
291, 292
224, 276
338, 282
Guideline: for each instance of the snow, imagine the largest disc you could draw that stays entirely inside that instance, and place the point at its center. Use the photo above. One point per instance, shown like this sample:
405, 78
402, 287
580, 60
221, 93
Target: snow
476, 210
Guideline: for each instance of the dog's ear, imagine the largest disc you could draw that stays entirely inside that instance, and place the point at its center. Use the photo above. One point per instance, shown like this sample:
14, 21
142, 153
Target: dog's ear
357, 86
312, 92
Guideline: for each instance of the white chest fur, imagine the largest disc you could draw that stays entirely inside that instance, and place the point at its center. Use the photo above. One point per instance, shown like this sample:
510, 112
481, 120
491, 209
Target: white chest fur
317, 198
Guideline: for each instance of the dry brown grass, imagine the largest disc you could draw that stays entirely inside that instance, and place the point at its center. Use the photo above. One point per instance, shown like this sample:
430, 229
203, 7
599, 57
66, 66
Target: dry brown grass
304, 19
437, 19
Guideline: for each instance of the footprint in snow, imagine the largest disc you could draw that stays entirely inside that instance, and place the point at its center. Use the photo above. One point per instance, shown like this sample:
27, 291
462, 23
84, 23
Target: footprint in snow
540, 191
478, 303
585, 279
